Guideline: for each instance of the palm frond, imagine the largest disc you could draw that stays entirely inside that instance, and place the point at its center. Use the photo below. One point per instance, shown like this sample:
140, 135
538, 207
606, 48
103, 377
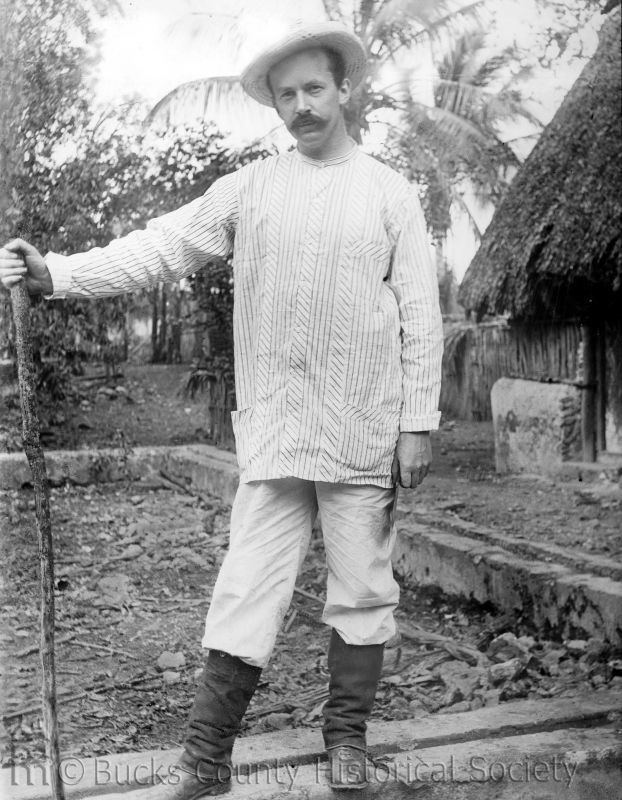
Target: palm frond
403, 23
452, 125
464, 209
481, 106
220, 99
460, 61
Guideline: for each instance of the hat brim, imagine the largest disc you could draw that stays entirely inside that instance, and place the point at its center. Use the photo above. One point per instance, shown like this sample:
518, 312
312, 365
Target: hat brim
254, 78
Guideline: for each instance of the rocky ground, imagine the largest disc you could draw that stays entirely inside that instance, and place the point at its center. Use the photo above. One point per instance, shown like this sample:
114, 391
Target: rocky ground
145, 406
136, 564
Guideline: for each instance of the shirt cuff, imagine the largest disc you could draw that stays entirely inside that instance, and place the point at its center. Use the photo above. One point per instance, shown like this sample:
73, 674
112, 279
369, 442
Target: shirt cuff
429, 422
60, 271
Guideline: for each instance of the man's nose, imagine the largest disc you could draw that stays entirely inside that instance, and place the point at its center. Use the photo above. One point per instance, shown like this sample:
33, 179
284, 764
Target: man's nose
302, 102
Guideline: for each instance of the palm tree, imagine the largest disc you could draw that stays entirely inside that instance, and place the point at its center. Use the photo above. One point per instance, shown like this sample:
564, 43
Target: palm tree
387, 28
453, 144
440, 136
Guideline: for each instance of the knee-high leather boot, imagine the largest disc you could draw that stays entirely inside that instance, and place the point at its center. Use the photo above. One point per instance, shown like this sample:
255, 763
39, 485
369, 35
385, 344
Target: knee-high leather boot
226, 688
354, 675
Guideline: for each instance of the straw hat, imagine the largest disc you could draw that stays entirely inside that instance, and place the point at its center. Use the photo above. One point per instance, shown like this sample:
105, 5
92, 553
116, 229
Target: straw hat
331, 35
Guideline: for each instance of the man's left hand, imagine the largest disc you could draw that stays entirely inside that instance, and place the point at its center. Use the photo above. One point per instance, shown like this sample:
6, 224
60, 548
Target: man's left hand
412, 460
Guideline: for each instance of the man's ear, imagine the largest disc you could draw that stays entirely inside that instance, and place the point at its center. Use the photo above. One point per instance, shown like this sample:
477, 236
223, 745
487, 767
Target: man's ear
345, 91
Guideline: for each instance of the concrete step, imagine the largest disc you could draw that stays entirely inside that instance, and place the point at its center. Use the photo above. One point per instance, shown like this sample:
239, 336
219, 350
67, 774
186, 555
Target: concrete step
532, 764
578, 560
581, 725
559, 601
202, 466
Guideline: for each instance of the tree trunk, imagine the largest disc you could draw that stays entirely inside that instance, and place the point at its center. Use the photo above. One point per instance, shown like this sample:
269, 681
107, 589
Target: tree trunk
32, 447
154, 323
174, 348
588, 402
163, 324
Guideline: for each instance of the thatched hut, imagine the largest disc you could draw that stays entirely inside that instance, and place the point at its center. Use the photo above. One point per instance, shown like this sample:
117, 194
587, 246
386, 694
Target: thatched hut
551, 257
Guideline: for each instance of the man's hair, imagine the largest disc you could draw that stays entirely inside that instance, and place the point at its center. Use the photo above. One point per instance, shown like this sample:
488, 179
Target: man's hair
336, 66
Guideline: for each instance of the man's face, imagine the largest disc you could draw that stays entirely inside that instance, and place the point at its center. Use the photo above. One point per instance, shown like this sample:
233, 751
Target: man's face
309, 102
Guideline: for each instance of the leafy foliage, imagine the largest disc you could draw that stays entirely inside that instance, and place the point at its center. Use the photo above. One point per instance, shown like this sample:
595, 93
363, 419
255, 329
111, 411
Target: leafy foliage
46, 48
561, 36
75, 181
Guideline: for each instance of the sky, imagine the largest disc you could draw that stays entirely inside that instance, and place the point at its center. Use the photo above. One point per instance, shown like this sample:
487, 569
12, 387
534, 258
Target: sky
149, 49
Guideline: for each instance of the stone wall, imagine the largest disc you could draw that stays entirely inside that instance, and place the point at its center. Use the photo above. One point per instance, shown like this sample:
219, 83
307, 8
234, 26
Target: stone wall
537, 425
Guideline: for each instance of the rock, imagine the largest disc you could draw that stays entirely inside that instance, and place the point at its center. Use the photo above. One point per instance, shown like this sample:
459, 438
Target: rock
170, 660
514, 691
476, 703
197, 674
452, 695
417, 708
616, 666
506, 671
424, 676
277, 722
142, 527
549, 661
450, 505
170, 677
504, 647
457, 675
114, 589
131, 552
491, 697
456, 708
596, 650
576, 647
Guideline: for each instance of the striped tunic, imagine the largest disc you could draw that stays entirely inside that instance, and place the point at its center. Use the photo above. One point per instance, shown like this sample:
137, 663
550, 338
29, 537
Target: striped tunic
337, 327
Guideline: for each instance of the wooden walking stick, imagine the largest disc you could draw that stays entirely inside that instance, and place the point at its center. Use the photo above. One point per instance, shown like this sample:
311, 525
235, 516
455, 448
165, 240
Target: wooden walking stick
20, 301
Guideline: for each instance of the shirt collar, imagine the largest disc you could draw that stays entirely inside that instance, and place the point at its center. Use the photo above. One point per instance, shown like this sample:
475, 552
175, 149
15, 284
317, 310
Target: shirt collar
328, 162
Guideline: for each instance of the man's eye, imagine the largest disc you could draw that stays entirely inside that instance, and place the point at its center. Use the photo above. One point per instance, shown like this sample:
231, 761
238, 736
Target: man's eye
286, 95
316, 89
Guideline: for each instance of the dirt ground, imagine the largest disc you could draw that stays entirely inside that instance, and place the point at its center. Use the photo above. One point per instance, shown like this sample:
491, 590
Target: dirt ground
135, 566
149, 409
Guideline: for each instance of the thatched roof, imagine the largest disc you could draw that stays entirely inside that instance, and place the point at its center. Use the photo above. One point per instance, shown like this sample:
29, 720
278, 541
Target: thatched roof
552, 249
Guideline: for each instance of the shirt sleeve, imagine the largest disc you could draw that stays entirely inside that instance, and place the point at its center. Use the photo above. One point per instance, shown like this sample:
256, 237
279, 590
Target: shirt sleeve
414, 281
171, 247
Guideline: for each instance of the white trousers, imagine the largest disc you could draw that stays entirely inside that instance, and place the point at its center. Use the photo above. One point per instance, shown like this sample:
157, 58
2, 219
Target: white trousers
271, 524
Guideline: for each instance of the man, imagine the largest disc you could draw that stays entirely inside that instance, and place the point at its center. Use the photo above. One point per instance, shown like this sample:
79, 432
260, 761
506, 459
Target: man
338, 344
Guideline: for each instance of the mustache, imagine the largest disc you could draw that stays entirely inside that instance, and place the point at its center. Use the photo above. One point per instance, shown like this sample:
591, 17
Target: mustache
305, 119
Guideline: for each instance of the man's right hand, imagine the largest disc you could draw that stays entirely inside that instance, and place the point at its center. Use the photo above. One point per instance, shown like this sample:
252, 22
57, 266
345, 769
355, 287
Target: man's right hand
20, 260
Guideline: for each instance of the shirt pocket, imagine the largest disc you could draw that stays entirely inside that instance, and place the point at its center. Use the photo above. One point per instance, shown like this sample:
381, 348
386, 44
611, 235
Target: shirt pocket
241, 421
367, 438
